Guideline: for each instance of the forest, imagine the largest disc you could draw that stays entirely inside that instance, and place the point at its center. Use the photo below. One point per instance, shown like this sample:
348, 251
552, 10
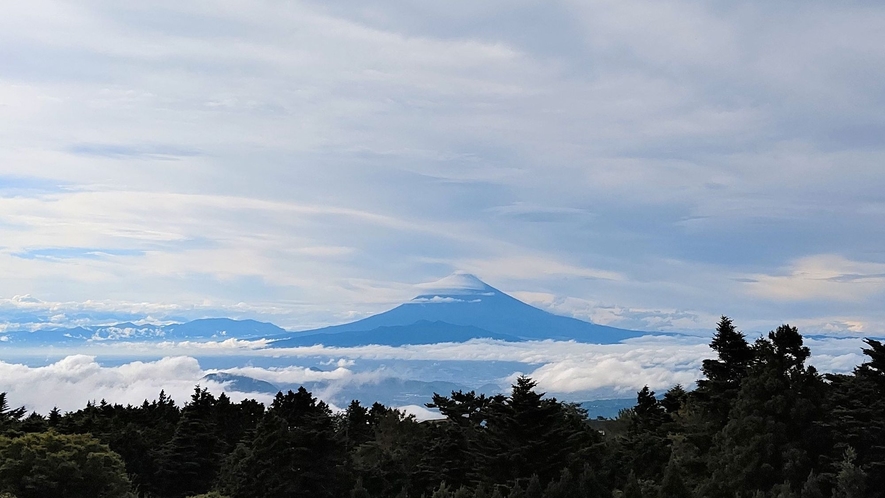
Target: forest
760, 423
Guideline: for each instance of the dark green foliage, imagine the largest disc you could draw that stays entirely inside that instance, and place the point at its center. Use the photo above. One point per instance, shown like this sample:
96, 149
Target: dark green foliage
463, 492
533, 489
526, 434
482, 491
191, 458
9, 417
632, 489
851, 481
293, 453
722, 376
813, 487
646, 446
359, 491
388, 463
59, 465
772, 435
358, 426
442, 491
856, 405
672, 484
454, 455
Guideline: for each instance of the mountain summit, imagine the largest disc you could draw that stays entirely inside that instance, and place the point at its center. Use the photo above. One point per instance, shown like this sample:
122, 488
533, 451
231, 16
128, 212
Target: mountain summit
461, 283
454, 309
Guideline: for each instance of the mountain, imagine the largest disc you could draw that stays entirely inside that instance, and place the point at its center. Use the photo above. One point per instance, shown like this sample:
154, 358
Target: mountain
455, 309
197, 330
222, 328
420, 332
241, 383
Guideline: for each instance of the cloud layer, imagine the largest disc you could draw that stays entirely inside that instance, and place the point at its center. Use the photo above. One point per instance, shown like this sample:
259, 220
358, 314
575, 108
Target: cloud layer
565, 369
644, 164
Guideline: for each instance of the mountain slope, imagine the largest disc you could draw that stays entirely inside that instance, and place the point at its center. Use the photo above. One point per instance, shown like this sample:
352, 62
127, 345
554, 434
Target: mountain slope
196, 330
458, 301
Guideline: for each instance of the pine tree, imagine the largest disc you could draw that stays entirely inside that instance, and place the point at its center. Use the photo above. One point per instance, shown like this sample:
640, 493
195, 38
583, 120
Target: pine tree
516, 491
482, 491
9, 417
672, 485
54, 417
773, 433
357, 427
632, 489
856, 406
463, 492
722, 376
533, 488
442, 491
812, 487
358, 490
294, 452
192, 457
646, 445
851, 481
527, 434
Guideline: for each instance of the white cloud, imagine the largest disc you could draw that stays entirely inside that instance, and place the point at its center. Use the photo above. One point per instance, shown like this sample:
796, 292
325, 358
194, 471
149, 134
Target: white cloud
564, 369
822, 277
74, 380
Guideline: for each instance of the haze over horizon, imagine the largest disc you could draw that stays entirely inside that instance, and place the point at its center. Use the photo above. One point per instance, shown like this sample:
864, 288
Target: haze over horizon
644, 165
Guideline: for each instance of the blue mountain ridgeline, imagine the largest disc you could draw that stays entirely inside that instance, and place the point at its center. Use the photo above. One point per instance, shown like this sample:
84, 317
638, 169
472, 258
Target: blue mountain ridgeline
457, 308
208, 329
241, 383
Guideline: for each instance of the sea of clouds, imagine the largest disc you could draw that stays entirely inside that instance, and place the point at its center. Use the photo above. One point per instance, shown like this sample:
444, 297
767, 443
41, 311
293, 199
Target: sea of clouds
41, 379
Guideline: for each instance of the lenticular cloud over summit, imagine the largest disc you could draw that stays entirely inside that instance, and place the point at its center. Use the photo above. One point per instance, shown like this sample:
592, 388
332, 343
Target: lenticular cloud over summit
458, 283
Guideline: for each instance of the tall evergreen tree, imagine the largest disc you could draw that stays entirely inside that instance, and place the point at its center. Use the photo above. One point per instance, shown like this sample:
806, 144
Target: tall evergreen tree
294, 453
722, 376
527, 434
773, 433
191, 459
856, 406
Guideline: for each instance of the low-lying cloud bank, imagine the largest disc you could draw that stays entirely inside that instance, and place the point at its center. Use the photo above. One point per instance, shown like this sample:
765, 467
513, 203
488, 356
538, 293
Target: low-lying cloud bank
562, 368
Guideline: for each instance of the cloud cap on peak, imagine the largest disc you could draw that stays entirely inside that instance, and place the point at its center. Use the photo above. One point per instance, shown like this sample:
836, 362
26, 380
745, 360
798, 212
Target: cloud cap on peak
458, 283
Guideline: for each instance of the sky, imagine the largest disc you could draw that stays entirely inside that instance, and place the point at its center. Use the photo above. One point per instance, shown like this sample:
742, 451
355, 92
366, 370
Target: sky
647, 165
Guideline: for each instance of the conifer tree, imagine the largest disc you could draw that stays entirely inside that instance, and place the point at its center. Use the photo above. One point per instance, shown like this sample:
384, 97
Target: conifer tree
462, 492
293, 452
773, 432
358, 490
851, 481
527, 434
442, 491
533, 488
192, 457
722, 376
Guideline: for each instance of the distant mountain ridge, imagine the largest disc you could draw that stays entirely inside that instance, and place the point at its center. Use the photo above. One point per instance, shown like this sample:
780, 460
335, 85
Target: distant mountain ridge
457, 308
197, 330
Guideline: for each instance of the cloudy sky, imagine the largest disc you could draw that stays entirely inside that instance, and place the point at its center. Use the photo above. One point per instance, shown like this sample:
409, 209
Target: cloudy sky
649, 165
